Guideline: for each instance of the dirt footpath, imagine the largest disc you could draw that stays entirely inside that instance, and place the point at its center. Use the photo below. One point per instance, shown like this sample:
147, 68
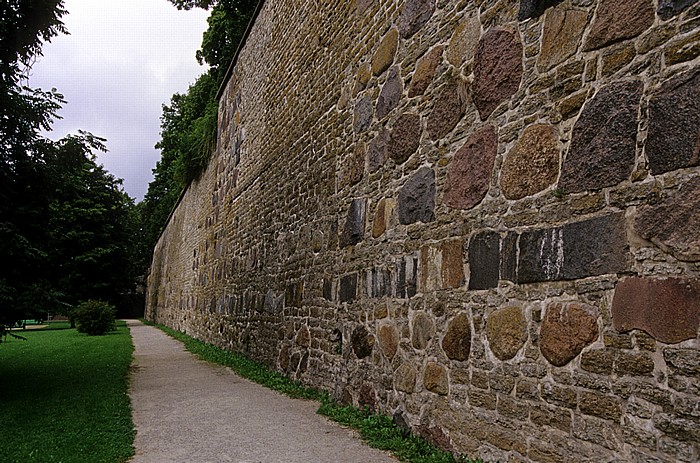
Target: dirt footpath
188, 410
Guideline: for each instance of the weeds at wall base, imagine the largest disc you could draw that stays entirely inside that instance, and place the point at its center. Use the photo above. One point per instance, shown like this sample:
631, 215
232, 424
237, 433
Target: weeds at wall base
377, 430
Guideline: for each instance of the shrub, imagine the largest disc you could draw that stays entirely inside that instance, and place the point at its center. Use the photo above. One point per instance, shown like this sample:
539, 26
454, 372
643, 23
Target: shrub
95, 318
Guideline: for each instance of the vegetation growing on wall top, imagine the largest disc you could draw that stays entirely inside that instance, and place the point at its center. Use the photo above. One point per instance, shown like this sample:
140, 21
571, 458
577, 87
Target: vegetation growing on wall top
188, 123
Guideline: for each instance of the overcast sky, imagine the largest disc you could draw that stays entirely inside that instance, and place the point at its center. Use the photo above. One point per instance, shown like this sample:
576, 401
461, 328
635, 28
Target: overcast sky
121, 62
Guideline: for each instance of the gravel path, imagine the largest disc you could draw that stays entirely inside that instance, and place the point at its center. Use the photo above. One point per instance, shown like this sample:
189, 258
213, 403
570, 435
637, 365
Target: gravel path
188, 410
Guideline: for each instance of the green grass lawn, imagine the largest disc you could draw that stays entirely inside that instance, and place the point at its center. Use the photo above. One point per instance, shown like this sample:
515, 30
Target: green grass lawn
63, 397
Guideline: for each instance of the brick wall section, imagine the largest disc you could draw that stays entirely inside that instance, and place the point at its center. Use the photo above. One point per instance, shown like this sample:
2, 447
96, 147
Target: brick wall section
482, 216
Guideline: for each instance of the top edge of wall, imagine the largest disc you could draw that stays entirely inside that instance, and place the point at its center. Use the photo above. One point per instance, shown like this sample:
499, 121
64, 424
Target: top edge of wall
242, 43
222, 87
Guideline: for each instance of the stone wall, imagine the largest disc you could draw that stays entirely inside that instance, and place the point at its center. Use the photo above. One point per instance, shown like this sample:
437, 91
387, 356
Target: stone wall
481, 217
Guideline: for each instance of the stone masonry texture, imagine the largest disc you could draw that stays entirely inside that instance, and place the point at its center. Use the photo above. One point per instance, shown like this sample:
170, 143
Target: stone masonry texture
478, 216
603, 145
674, 116
498, 69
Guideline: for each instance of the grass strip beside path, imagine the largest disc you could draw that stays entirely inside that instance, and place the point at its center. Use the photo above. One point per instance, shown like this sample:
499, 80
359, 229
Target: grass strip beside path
64, 397
377, 430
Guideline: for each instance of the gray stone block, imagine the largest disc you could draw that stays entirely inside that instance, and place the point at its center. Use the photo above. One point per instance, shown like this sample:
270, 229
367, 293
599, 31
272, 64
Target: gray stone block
604, 140
674, 124
274, 303
407, 273
484, 260
417, 197
363, 114
577, 250
348, 288
354, 229
670, 8
391, 93
534, 8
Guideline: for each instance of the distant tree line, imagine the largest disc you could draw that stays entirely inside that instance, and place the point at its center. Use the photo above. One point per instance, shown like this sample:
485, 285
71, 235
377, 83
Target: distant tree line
66, 225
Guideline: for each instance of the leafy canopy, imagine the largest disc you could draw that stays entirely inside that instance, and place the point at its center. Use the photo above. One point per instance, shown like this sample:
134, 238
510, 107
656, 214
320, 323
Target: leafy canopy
65, 223
24, 25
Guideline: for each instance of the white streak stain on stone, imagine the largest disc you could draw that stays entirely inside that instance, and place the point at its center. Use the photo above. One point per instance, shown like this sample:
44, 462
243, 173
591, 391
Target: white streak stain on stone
551, 253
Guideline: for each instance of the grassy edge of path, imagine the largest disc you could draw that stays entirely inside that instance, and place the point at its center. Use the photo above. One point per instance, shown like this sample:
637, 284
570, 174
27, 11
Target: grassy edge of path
64, 397
377, 430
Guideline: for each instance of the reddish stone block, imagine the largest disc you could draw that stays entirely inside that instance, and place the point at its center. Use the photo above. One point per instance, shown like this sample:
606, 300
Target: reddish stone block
447, 112
618, 20
498, 69
458, 338
566, 330
470, 172
452, 264
674, 224
666, 308
388, 340
404, 138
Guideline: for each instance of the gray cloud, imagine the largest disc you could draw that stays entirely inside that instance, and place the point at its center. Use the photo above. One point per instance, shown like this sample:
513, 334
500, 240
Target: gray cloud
121, 62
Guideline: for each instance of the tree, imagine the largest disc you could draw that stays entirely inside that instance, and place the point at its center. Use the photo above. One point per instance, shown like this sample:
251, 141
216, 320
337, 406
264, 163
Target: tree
24, 25
228, 22
227, 26
65, 223
23, 112
188, 136
89, 224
